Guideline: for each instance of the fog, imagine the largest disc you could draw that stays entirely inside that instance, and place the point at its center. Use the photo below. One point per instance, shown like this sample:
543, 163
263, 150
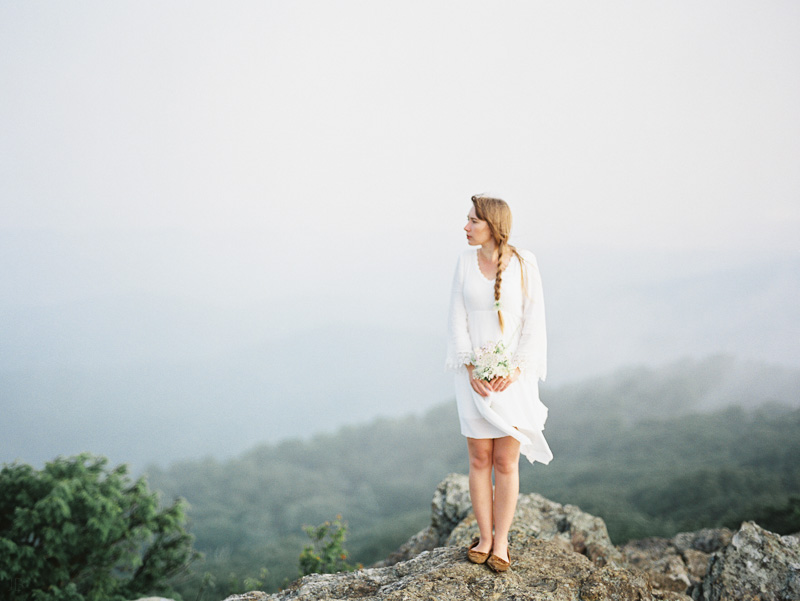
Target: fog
225, 224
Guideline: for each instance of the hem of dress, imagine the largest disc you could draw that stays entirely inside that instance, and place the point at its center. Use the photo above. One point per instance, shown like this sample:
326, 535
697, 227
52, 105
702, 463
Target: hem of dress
533, 444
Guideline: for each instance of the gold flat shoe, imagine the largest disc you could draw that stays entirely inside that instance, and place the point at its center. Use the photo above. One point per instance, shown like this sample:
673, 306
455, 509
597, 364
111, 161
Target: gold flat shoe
497, 564
476, 556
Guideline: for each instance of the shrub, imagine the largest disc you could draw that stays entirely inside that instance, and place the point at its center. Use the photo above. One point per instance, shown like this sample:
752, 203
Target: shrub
326, 553
76, 531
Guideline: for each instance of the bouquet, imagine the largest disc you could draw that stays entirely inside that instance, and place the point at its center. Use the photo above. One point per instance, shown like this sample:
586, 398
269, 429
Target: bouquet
491, 361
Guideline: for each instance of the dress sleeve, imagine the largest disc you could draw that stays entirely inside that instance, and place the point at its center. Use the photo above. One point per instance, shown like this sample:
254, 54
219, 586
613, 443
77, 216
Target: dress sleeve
459, 348
531, 353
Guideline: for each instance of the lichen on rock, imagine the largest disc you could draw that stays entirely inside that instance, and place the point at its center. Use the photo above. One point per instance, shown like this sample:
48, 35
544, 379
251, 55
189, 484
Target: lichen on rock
757, 564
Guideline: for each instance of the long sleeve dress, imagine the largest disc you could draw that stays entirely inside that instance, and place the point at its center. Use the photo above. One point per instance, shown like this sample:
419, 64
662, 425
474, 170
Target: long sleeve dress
517, 411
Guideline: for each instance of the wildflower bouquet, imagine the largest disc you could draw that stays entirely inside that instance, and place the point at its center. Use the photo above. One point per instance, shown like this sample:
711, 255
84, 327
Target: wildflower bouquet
491, 361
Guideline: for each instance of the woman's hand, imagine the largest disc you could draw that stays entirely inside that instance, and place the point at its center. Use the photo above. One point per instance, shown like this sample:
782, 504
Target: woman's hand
500, 384
482, 387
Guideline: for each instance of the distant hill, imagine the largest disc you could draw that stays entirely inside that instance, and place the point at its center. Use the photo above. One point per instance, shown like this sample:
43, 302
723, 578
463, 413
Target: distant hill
145, 374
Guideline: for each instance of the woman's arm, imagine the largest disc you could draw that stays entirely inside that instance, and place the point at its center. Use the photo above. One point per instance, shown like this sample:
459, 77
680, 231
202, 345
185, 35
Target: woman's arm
459, 347
531, 353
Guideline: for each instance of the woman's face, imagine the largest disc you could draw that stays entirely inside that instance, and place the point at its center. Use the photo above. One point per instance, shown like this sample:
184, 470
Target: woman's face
478, 232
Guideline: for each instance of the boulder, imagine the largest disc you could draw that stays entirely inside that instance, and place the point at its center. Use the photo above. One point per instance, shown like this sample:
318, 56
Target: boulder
541, 570
676, 564
756, 565
536, 518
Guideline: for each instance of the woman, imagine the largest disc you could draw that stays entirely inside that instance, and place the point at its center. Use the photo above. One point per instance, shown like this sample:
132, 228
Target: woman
497, 296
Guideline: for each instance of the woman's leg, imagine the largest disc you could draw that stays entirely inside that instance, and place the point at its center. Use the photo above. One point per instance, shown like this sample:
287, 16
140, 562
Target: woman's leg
480, 487
506, 492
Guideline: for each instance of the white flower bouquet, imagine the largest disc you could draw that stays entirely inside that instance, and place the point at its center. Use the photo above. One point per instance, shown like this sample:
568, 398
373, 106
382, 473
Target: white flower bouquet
491, 361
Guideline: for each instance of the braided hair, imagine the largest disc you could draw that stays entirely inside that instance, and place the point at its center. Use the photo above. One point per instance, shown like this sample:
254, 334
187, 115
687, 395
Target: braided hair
497, 215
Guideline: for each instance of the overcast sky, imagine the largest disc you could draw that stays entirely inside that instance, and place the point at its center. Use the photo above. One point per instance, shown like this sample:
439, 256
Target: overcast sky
670, 124
309, 165
241, 151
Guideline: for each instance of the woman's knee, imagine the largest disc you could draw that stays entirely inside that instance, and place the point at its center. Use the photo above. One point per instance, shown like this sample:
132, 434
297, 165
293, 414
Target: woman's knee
506, 461
480, 457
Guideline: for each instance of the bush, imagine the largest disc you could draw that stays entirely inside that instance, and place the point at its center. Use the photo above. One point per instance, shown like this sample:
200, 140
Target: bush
76, 531
326, 553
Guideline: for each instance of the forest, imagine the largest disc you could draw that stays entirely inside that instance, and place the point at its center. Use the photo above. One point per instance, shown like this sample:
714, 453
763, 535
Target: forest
652, 451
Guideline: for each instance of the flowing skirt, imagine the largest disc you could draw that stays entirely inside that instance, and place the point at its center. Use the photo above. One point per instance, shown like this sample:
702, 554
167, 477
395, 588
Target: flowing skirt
517, 412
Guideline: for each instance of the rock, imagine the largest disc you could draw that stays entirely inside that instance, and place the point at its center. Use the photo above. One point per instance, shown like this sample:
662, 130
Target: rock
707, 540
541, 570
670, 596
756, 565
538, 518
452, 523
562, 553
450, 505
677, 564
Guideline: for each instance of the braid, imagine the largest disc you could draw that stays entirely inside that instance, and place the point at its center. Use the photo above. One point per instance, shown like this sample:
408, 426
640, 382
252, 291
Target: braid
497, 215
498, 280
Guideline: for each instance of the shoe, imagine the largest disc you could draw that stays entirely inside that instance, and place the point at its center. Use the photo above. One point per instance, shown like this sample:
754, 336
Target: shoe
476, 556
497, 564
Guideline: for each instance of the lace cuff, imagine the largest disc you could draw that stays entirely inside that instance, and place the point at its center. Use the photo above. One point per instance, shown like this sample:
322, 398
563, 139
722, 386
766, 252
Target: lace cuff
458, 361
528, 366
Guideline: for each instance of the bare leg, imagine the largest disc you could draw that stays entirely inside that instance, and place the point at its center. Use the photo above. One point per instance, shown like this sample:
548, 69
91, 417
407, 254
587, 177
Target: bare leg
480, 487
506, 477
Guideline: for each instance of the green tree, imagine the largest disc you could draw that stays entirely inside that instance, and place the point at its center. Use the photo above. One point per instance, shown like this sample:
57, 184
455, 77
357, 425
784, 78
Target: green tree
77, 531
326, 553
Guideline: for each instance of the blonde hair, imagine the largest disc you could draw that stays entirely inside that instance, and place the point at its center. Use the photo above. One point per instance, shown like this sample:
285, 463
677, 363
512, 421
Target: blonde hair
497, 215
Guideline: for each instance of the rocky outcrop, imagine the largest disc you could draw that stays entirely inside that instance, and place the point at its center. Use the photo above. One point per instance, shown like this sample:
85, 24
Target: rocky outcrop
559, 553
562, 553
677, 564
757, 564
542, 570
536, 518
567, 526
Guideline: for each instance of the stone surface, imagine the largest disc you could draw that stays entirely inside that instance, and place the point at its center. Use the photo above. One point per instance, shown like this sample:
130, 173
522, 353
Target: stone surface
540, 518
707, 540
452, 523
677, 564
757, 565
541, 570
251, 596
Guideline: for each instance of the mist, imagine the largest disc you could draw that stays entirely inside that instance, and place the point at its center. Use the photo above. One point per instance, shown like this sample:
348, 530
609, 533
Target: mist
228, 225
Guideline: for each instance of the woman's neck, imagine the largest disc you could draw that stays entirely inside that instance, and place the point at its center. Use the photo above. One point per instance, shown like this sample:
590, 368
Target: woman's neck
488, 252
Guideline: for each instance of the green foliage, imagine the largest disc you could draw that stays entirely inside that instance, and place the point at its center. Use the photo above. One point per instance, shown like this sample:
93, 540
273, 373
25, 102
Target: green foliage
326, 553
76, 531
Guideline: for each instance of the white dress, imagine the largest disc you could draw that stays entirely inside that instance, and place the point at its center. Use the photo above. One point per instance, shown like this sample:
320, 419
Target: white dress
517, 411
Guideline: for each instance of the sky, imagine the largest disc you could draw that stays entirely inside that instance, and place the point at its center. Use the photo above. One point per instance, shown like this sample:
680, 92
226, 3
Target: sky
633, 124
309, 164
